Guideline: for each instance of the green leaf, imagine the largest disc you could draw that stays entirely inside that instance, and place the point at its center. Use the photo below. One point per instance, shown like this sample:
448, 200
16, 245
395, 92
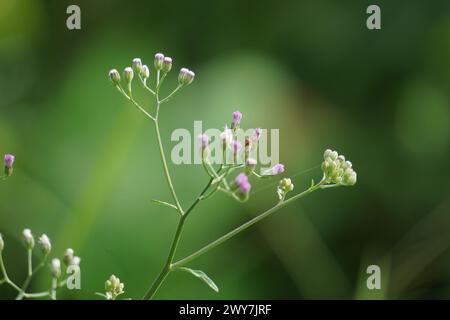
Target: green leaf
202, 276
162, 203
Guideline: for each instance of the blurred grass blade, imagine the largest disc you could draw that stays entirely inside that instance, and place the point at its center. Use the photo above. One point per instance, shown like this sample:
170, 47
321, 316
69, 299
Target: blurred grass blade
202, 276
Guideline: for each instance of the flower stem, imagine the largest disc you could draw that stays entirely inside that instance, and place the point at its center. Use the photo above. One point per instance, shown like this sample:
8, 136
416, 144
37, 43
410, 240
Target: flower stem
168, 267
244, 226
166, 168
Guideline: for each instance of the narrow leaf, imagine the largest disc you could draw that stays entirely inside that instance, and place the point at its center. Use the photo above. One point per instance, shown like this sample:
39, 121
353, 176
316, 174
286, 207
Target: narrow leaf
202, 276
162, 203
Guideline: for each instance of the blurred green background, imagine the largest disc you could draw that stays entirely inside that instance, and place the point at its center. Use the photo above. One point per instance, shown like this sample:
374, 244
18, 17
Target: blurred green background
87, 163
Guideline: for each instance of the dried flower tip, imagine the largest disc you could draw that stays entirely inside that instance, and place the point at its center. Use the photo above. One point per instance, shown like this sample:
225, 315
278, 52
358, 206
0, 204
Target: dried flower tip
159, 61
167, 64
113, 287
235, 146
114, 76
276, 169
185, 76
128, 74
204, 140
145, 72
45, 244
28, 238
2, 243
68, 256
137, 65
9, 162
55, 267
248, 145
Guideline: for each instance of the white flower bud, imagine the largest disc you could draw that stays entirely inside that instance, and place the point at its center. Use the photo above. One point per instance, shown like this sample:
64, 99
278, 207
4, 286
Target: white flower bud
55, 267
28, 238
75, 261
137, 65
159, 61
113, 287
2, 243
68, 256
128, 74
327, 154
45, 244
145, 72
349, 177
114, 76
185, 76
167, 64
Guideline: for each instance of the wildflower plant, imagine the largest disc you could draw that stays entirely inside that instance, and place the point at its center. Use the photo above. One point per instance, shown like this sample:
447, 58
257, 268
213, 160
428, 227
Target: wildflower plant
59, 277
232, 179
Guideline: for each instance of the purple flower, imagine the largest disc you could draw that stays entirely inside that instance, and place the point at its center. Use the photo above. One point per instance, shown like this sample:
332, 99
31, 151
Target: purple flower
203, 139
245, 187
237, 116
9, 160
242, 183
257, 134
250, 162
167, 64
240, 179
276, 169
235, 146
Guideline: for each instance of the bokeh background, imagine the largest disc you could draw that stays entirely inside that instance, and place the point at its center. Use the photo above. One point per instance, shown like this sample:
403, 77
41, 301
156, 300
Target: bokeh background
87, 164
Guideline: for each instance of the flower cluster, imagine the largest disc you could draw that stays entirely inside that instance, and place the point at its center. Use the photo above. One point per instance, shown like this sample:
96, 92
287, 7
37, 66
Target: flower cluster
113, 288
337, 170
241, 186
162, 65
284, 187
45, 246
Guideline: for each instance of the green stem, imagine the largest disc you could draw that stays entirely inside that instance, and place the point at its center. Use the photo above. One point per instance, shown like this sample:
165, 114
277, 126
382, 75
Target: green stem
27, 281
30, 262
167, 268
5, 275
244, 226
166, 168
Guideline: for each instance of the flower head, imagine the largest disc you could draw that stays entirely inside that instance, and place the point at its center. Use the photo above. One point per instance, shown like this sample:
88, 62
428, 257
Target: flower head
45, 244
226, 136
237, 116
75, 261
145, 72
242, 183
9, 162
55, 267
167, 64
114, 76
68, 256
235, 146
28, 238
185, 76
204, 140
137, 65
257, 134
113, 287
337, 170
159, 60
276, 169
128, 74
